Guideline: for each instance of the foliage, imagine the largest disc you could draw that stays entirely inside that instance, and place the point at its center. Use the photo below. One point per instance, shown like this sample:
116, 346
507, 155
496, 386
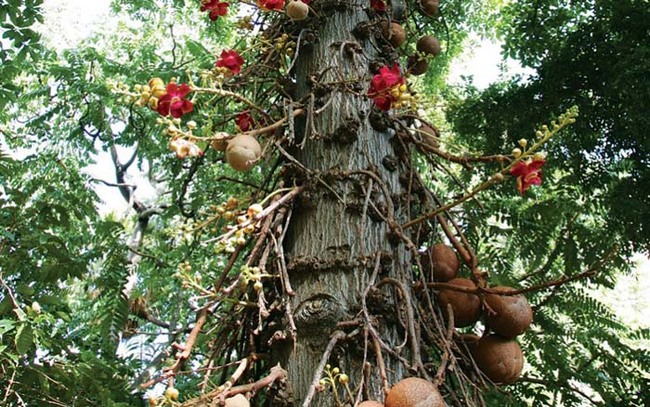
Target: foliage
20, 43
594, 198
589, 54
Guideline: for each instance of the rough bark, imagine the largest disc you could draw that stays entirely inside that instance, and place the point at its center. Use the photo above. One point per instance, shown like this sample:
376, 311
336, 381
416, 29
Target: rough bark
337, 231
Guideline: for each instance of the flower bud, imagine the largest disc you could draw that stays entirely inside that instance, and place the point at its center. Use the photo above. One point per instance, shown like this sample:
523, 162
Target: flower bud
539, 156
153, 103
36, 307
254, 209
343, 379
516, 153
523, 143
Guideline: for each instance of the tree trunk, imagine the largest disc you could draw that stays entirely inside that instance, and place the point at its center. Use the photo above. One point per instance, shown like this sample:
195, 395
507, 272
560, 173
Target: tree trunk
340, 227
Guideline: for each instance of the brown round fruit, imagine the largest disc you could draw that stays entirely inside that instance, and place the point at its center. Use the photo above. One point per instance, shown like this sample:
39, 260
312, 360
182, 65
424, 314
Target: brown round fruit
466, 307
430, 7
394, 33
500, 359
512, 314
440, 262
429, 45
238, 400
417, 66
370, 403
243, 152
297, 10
414, 392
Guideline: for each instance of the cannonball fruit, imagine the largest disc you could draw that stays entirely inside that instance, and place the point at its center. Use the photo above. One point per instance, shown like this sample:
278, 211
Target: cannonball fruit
414, 392
394, 33
500, 359
417, 66
430, 7
440, 262
466, 307
243, 152
297, 10
428, 45
370, 403
512, 314
238, 400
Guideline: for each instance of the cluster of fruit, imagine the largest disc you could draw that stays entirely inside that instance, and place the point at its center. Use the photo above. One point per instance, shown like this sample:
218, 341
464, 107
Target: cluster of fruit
506, 316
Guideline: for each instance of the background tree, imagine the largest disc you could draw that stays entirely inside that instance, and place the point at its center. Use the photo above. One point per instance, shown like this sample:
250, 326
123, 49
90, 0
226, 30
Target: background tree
206, 290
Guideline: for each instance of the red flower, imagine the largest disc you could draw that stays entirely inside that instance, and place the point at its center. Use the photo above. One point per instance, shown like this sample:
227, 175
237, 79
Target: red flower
173, 102
384, 87
244, 121
230, 60
215, 7
378, 5
528, 173
270, 4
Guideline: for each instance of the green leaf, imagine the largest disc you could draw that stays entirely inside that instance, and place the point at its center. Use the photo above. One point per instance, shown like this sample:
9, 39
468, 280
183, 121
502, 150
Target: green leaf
24, 339
6, 325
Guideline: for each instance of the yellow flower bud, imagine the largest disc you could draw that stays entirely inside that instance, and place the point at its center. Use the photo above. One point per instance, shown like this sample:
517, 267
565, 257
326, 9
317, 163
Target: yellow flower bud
172, 393
344, 379
254, 209
153, 82
516, 153
153, 103
539, 156
523, 143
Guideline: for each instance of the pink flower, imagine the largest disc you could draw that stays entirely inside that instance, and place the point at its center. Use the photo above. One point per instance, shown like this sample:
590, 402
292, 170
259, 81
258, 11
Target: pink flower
215, 7
528, 173
173, 102
270, 4
385, 85
244, 121
230, 60
378, 5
